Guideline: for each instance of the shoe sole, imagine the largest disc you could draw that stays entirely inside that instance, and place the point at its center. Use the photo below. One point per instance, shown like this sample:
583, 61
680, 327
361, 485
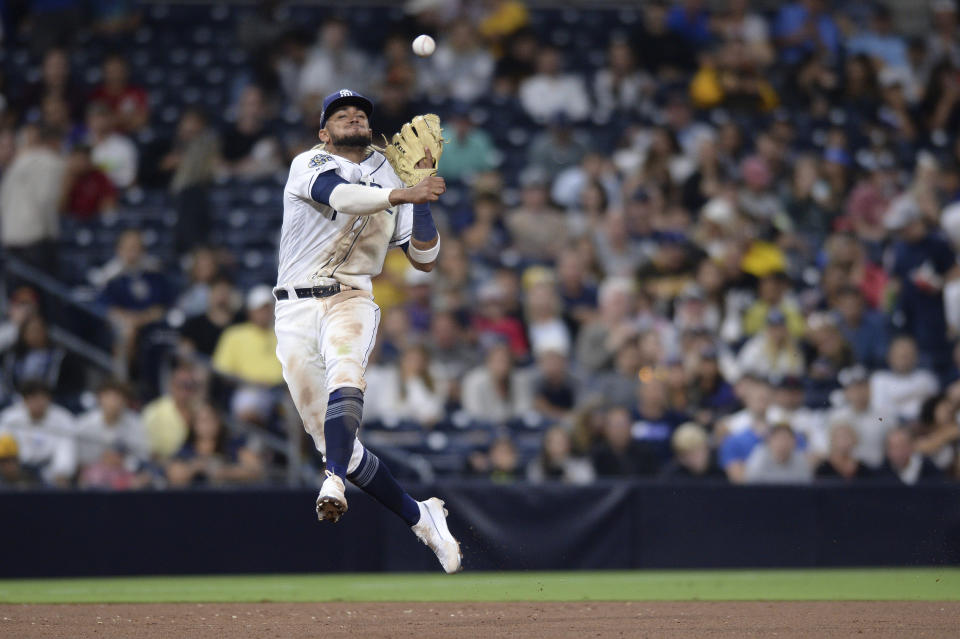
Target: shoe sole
330, 509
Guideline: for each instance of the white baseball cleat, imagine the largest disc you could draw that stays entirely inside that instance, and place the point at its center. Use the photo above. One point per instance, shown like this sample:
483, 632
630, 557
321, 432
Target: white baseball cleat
432, 530
331, 502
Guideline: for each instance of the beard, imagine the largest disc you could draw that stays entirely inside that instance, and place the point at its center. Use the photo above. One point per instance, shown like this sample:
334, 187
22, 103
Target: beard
352, 140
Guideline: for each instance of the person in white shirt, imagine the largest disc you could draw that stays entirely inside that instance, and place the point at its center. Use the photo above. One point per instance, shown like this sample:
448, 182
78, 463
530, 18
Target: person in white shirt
30, 199
110, 424
870, 425
413, 390
550, 92
777, 460
45, 434
772, 351
901, 390
111, 152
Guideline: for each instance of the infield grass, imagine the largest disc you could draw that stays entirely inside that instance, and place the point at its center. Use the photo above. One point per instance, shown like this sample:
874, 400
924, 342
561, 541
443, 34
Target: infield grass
826, 584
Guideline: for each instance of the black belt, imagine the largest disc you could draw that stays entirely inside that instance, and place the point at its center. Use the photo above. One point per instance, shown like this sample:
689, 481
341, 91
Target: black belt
314, 291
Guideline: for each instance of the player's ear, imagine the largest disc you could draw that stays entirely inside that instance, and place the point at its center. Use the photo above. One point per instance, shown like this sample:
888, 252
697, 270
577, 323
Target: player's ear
324, 136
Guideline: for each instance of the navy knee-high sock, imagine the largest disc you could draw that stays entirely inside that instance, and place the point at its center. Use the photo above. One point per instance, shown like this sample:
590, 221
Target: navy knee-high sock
375, 479
344, 410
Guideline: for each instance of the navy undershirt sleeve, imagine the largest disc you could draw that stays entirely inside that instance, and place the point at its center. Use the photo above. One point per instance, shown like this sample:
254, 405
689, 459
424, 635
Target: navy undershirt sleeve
324, 185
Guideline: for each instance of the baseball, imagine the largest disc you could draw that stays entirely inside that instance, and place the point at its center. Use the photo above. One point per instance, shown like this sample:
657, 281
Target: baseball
423, 45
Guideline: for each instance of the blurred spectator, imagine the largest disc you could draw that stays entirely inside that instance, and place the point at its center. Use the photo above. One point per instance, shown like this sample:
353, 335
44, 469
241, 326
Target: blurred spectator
550, 91
460, 68
13, 474
88, 192
112, 471
35, 357
501, 19
30, 193
902, 390
602, 338
246, 352
200, 333
492, 321
555, 389
710, 395
417, 304
211, 457
938, 431
921, 260
494, 392
449, 349
537, 228
772, 351
192, 161
879, 42
501, 463
806, 27
332, 63
518, 61
842, 462
135, 295
250, 146
654, 421
773, 293
857, 410
556, 461
55, 82
618, 387
619, 87
167, 418
467, 149
661, 49
777, 460
559, 147
112, 152
545, 326
739, 23
203, 268
45, 434
863, 328
692, 457
618, 454
395, 108
128, 103
111, 426
410, 391
743, 431
904, 462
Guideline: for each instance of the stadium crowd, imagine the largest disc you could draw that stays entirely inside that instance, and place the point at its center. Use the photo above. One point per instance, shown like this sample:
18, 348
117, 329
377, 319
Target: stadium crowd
712, 242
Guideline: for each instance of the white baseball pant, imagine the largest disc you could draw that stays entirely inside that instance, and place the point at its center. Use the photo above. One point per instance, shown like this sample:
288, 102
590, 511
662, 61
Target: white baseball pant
323, 344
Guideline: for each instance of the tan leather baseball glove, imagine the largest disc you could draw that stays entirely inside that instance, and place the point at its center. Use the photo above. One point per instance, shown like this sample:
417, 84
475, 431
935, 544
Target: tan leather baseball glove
410, 145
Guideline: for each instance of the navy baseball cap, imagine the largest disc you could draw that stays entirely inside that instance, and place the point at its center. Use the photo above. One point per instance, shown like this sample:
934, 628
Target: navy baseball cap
344, 97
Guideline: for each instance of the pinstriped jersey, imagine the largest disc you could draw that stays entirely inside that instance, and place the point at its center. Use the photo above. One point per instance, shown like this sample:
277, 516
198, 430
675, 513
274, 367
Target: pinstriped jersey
318, 242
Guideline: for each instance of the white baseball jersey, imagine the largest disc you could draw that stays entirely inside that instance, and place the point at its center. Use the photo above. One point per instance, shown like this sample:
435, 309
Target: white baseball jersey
318, 242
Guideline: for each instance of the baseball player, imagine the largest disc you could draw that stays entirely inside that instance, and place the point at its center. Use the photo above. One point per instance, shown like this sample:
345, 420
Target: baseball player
344, 206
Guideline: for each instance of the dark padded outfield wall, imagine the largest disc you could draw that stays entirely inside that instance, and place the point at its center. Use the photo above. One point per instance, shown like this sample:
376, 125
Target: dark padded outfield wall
514, 527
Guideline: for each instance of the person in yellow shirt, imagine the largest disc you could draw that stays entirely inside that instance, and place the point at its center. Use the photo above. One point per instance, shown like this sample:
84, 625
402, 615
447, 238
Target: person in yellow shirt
247, 353
166, 419
772, 294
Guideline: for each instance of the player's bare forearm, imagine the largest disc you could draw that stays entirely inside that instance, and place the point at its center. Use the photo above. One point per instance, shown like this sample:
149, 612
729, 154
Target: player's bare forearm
423, 246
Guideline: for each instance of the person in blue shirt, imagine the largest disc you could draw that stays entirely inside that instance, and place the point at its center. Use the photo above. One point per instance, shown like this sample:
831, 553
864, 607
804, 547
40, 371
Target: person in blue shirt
864, 329
921, 260
880, 42
803, 27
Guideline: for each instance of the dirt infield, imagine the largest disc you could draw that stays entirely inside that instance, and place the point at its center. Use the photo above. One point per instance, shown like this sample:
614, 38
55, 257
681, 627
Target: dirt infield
529, 620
